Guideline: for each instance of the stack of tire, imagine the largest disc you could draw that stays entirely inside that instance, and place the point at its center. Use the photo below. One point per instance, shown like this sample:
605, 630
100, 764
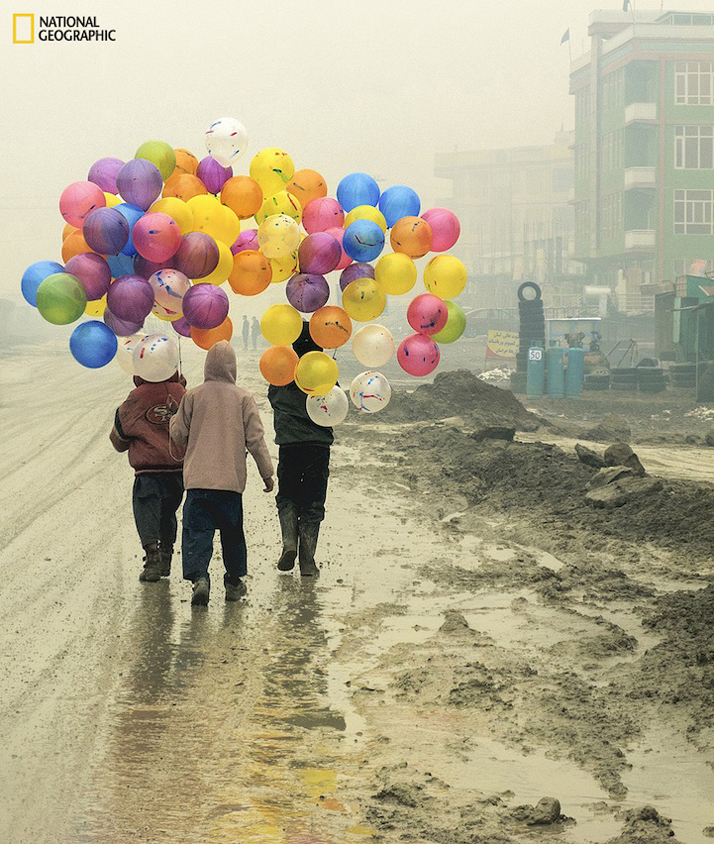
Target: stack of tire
650, 377
596, 382
624, 378
531, 330
683, 375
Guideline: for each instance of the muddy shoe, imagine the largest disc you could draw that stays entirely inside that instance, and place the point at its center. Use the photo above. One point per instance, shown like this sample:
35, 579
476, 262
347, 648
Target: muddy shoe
288, 515
287, 559
201, 591
309, 533
234, 592
165, 554
152, 566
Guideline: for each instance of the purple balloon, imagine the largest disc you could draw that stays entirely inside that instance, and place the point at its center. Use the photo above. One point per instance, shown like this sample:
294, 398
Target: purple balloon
182, 327
106, 231
205, 306
121, 327
319, 253
212, 174
246, 240
197, 255
139, 182
353, 272
93, 271
146, 268
307, 292
104, 173
130, 298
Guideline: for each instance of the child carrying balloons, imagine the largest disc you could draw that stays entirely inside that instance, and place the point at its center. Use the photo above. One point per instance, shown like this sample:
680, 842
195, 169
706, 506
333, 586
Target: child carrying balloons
141, 427
219, 421
303, 469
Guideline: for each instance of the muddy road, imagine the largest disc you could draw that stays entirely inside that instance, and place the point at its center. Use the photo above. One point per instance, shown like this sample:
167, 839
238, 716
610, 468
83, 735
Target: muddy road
453, 665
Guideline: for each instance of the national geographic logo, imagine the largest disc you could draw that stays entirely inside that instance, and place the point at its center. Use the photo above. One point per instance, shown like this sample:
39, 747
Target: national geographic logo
58, 28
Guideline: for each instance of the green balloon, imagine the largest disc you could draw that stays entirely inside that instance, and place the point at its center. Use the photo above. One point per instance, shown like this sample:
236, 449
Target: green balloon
160, 154
61, 298
455, 325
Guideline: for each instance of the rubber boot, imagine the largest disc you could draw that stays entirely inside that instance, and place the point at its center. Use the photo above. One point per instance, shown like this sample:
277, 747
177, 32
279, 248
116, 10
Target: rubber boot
166, 552
288, 516
152, 565
201, 592
308, 533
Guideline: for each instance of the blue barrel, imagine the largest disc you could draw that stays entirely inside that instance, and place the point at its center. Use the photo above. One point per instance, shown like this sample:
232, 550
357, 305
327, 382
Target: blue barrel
535, 372
556, 373
574, 373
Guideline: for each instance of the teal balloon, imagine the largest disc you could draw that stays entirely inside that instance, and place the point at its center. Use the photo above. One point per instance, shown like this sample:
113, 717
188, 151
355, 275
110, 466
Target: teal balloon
455, 324
61, 298
93, 344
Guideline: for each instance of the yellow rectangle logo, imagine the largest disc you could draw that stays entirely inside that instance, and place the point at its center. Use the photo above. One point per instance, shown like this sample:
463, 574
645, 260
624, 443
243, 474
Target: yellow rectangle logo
23, 29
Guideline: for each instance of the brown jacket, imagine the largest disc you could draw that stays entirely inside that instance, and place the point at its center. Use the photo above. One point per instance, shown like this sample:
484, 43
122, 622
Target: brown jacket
219, 421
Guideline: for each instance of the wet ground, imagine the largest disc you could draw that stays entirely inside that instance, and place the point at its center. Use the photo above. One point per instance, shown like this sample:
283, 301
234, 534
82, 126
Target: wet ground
427, 685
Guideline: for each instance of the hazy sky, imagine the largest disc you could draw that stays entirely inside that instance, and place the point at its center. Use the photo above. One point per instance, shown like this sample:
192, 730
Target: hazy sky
372, 85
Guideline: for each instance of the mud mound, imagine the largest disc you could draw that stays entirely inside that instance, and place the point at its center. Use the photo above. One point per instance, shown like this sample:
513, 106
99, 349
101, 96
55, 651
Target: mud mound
461, 393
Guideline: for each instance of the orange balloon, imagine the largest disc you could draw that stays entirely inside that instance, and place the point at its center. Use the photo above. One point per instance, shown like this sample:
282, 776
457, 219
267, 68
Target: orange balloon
68, 230
277, 365
330, 327
186, 162
307, 185
207, 337
411, 236
74, 244
242, 195
251, 273
183, 186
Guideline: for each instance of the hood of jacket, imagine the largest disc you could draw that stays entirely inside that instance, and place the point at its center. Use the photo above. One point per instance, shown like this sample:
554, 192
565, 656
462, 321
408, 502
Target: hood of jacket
220, 363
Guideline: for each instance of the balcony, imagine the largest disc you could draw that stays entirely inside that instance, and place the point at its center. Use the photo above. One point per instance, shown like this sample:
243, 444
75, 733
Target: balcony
640, 177
640, 111
640, 239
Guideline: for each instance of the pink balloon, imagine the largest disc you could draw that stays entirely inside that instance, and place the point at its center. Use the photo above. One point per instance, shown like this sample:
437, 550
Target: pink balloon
322, 214
205, 306
246, 240
427, 314
78, 199
445, 228
418, 355
93, 271
338, 234
156, 236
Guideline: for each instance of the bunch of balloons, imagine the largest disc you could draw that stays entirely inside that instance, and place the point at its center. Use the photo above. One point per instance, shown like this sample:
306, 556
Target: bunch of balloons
163, 233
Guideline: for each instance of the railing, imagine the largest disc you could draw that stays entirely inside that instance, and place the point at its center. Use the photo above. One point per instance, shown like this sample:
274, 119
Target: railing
640, 111
640, 177
635, 303
640, 239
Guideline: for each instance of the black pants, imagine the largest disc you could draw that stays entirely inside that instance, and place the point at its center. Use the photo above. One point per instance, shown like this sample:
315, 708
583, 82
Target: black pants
303, 471
205, 512
156, 498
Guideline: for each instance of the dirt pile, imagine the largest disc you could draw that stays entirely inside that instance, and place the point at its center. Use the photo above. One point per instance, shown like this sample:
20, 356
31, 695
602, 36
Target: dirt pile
461, 393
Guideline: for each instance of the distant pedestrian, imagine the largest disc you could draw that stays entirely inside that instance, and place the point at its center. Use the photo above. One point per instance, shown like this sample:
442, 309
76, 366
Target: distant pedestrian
303, 470
219, 422
255, 331
246, 332
141, 427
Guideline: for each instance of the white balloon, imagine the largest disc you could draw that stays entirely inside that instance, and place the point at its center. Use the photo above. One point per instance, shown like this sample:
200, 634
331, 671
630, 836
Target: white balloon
155, 358
373, 345
125, 351
370, 391
278, 236
328, 410
226, 141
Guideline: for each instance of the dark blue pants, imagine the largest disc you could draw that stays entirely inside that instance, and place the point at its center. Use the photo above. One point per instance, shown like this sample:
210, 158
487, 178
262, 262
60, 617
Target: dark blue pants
204, 512
303, 472
156, 498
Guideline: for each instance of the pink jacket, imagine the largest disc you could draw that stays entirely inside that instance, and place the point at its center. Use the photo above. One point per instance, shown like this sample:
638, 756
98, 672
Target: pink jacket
219, 421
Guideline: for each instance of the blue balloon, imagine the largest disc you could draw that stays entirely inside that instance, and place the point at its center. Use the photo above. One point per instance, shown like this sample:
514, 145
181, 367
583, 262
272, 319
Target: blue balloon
121, 264
363, 240
93, 344
397, 202
357, 189
131, 214
33, 277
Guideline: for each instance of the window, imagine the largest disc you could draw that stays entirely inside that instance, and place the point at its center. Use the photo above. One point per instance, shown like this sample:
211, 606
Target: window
694, 212
611, 216
682, 266
694, 83
694, 147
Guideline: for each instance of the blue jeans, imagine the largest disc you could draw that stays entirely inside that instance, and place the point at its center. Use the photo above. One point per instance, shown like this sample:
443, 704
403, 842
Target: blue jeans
204, 512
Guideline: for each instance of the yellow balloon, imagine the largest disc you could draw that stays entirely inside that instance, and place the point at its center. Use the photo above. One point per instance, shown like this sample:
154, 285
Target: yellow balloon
223, 268
364, 300
278, 236
272, 169
231, 226
96, 307
281, 325
112, 199
445, 276
316, 373
283, 268
208, 215
366, 212
280, 203
178, 210
395, 273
